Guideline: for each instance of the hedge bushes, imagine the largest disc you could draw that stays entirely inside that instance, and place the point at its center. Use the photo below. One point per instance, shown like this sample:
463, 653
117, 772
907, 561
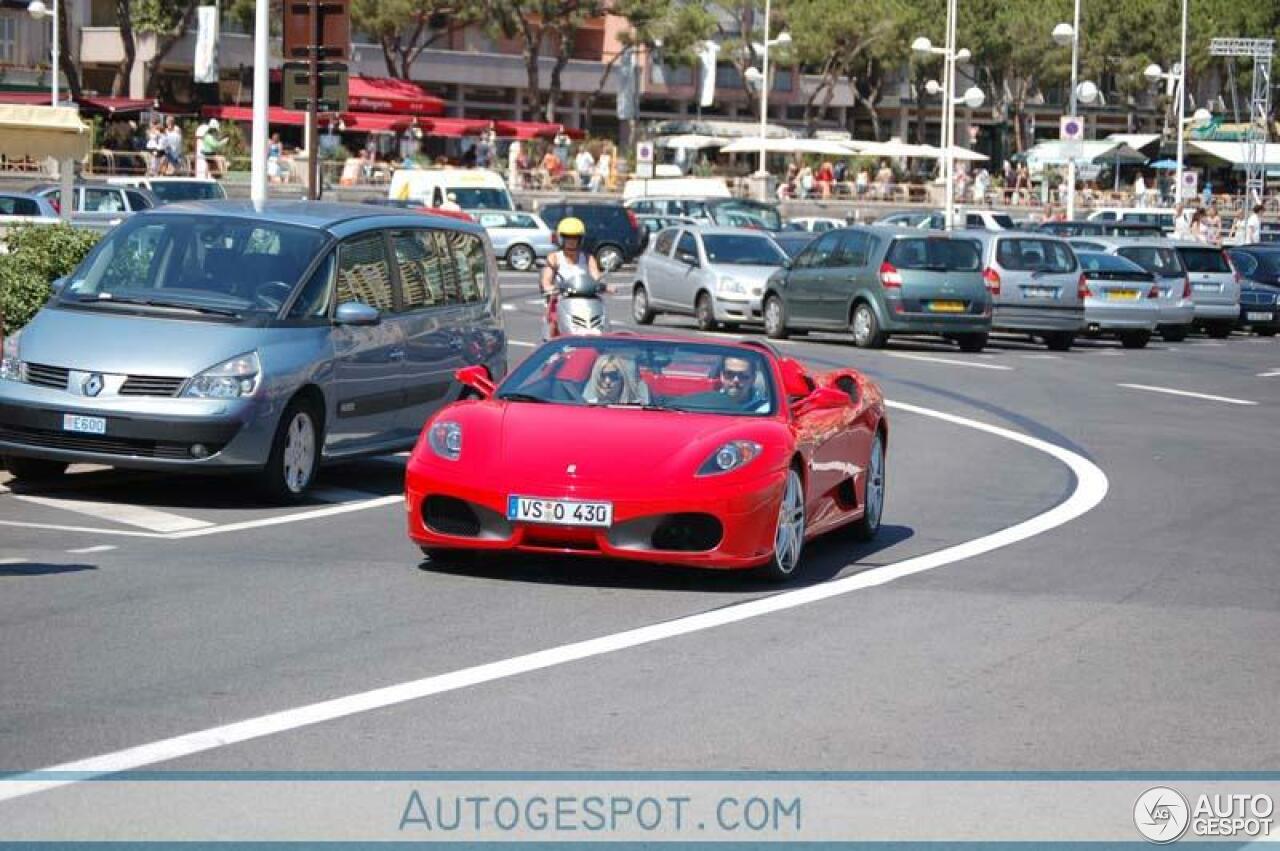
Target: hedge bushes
38, 255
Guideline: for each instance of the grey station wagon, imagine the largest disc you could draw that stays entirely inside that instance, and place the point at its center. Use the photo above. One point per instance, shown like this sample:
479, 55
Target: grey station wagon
210, 336
1038, 286
877, 281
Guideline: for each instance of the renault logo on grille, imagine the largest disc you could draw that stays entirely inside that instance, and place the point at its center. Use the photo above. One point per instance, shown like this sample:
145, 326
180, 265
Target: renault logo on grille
92, 384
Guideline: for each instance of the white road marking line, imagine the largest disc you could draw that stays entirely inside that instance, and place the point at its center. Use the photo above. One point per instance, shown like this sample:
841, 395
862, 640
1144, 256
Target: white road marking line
93, 530
511, 342
341, 494
1204, 343
130, 515
1273, 374
1173, 392
13, 561
1041, 357
281, 519
509, 307
951, 361
1091, 488
101, 548
1111, 352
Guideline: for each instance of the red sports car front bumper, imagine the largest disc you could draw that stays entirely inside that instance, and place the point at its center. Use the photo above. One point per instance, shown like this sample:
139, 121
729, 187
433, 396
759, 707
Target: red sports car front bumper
725, 521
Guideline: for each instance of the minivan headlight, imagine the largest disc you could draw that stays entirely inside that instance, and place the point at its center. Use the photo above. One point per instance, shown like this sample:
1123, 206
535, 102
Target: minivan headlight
11, 367
231, 379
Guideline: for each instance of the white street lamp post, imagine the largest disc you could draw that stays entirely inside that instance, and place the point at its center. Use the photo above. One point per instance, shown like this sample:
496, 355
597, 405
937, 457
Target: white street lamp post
1182, 103
1064, 34
783, 38
38, 10
261, 96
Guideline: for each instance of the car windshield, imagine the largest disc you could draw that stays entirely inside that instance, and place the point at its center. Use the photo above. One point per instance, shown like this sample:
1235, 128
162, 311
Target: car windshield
205, 264
479, 198
670, 375
745, 214
936, 253
1108, 263
742, 250
793, 244
1268, 262
1003, 220
1159, 261
1211, 260
171, 191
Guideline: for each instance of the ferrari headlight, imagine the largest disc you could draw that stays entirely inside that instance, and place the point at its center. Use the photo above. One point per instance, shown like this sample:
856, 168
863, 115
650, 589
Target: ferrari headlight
732, 285
10, 366
445, 438
732, 456
232, 379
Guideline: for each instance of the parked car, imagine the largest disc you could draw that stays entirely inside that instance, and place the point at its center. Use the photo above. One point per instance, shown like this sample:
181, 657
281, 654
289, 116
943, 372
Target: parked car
212, 336
1259, 265
726, 212
614, 234
717, 275
98, 203
814, 224
1121, 300
1037, 284
171, 190
1215, 287
793, 242
519, 239
1174, 304
22, 206
970, 220
652, 223
1161, 217
875, 282
905, 219
1099, 228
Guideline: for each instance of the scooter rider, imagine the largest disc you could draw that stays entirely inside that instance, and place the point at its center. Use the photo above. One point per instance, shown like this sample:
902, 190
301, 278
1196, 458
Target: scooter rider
569, 256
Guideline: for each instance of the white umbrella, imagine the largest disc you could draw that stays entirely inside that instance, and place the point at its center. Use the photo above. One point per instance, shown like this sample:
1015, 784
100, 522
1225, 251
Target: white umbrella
893, 149
692, 141
789, 146
958, 153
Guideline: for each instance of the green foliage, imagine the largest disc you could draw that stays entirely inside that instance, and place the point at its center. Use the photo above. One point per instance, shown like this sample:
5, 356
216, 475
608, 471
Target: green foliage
37, 256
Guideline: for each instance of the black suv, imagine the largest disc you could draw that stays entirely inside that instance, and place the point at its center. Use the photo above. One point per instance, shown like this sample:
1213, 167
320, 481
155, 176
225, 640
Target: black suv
614, 234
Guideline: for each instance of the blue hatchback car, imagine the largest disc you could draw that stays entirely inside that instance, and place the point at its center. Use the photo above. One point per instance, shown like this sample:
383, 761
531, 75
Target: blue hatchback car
213, 336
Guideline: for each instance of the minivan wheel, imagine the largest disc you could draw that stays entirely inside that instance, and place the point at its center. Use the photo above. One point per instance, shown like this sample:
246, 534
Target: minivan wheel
1135, 339
866, 328
609, 257
34, 469
1173, 333
703, 313
775, 318
295, 453
1059, 341
641, 312
1219, 331
521, 258
972, 342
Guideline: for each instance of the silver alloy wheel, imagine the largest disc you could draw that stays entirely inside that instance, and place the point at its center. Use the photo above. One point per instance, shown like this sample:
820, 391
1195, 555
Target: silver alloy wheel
299, 458
609, 258
704, 313
874, 499
788, 540
862, 325
773, 316
639, 304
520, 258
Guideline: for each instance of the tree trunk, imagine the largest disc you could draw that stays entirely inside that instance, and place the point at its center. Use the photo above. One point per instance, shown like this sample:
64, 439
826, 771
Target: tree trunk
67, 58
589, 108
388, 53
120, 84
166, 44
562, 59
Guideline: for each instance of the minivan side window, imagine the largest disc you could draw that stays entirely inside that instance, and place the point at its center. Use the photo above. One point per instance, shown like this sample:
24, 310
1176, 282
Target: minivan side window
663, 243
1035, 255
415, 255
363, 272
817, 254
316, 296
137, 201
440, 267
852, 250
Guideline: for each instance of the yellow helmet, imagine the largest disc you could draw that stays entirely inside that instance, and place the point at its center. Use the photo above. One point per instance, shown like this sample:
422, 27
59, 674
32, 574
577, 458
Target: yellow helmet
571, 226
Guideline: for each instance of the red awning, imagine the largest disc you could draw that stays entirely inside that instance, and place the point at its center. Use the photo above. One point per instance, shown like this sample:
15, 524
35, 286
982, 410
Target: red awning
275, 114
385, 94
534, 130
32, 98
360, 122
454, 127
114, 106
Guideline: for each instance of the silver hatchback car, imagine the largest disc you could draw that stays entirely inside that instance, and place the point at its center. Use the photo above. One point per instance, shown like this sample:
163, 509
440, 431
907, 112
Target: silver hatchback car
210, 336
1036, 283
521, 239
1157, 256
716, 274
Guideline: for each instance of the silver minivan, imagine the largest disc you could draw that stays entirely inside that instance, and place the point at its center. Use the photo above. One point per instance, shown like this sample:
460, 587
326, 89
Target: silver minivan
1215, 287
1036, 283
211, 336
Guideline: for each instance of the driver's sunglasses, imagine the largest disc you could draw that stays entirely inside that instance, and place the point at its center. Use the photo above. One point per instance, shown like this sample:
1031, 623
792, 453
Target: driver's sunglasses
742, 375
610, 376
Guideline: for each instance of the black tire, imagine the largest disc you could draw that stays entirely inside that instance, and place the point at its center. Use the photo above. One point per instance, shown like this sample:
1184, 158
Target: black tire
704, 313
610, 257
867, 526
1059, 341
641, 312
866, 328
1218, 330
521, 257
1135, 339
1174, 333
785, 565
287, 476
971, 342
1267, 332
34, 469
775, 317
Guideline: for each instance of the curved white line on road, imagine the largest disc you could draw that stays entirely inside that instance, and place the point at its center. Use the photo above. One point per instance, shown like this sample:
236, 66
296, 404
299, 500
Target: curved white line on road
1091, 489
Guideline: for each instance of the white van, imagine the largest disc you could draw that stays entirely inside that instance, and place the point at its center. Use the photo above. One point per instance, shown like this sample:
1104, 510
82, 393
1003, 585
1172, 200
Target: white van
1162, 216
173, 189
472, 188
676, 187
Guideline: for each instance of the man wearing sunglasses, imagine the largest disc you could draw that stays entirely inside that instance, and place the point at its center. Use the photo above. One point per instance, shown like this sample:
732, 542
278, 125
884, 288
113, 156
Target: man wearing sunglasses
736, 389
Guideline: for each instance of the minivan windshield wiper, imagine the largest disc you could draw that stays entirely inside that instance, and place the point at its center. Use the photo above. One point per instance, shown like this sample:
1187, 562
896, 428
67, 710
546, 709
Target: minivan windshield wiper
88, 298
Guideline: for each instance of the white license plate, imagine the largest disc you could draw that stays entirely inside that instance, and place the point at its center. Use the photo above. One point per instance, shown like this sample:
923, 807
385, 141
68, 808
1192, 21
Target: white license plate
559, 512
1208, 288
1039, 292
87, 425
1258, 317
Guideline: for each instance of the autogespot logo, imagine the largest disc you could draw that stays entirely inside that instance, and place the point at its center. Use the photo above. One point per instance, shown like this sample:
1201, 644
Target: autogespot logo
1161, 814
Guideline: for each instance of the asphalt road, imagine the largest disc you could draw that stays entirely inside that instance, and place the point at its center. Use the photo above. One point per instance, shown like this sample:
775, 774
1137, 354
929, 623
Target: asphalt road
135, 608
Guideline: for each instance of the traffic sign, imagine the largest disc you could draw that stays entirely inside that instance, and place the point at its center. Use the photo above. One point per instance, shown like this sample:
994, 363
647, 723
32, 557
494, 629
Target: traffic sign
644, 152
1190, 180
1071, 128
